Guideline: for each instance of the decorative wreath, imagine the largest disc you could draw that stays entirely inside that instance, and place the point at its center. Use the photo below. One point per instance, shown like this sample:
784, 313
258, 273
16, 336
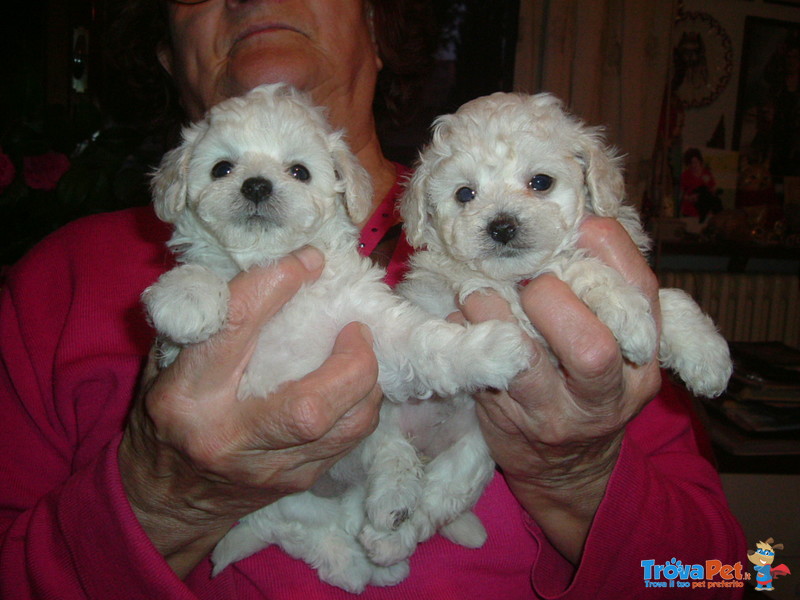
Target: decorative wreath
702, 59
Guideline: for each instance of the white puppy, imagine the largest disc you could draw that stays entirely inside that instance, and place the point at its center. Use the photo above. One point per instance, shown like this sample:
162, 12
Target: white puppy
497, 199
259, 177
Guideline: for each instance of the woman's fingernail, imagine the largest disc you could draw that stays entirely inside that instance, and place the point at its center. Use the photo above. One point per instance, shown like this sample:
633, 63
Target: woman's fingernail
311, 258
366, 333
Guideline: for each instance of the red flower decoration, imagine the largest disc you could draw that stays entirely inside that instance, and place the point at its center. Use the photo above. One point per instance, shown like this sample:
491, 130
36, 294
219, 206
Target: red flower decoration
7, 172
42, 172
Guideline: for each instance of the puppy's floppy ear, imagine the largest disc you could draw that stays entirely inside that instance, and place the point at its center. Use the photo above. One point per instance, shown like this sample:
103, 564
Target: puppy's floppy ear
415, 208
352, 180
605, 184
170, 181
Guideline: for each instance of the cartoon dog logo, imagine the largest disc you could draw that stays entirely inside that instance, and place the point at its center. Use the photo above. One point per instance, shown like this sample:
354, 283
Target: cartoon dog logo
762, 560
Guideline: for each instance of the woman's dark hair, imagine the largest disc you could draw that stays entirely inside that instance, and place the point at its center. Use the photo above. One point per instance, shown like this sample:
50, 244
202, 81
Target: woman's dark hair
136, 88
139, 91
406, 35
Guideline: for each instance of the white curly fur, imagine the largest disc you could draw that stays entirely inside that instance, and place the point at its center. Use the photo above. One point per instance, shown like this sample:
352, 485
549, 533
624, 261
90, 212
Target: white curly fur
226, 219
532, 173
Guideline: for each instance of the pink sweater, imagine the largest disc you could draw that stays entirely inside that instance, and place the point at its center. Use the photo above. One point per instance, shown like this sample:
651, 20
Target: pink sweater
72, 341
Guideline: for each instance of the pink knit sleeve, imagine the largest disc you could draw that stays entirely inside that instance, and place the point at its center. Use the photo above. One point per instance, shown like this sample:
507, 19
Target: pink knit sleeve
79, 541
664, 501
66, 528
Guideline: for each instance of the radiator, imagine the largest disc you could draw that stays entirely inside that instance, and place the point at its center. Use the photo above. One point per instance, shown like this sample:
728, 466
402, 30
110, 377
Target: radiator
746, 307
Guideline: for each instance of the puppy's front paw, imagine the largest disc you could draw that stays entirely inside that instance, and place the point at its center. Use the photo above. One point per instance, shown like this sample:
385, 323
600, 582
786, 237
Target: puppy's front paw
187, 304
691, 345
709, 375
626, 312
638, 342
493, 353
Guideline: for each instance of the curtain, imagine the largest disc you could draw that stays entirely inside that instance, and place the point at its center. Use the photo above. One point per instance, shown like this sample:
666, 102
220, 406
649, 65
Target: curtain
608, 60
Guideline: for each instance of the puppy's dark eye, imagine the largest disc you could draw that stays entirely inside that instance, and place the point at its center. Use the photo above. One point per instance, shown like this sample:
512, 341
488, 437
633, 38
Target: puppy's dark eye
299, 172
465, 194
540, 182
221, 169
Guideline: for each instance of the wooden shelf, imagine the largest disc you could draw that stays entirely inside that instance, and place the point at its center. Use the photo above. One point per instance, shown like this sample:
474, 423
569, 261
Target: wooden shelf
738, 254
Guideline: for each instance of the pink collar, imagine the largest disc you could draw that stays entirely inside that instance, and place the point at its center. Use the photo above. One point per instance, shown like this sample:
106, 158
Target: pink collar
384, 217
382, 220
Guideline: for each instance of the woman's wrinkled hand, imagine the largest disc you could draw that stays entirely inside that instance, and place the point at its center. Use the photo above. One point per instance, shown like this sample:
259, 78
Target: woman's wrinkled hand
556, 433
194, 458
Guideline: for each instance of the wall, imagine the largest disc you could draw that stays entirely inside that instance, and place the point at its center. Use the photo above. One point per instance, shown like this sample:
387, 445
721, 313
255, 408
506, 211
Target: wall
731, 14
771, 512
701, 123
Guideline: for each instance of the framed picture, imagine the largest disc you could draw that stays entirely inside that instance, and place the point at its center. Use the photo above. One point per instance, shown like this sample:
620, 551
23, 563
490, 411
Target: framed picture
702, 59
767, 122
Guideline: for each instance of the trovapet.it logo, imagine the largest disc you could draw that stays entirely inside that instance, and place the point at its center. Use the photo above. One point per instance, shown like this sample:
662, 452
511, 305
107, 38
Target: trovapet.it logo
710, 574
763, 560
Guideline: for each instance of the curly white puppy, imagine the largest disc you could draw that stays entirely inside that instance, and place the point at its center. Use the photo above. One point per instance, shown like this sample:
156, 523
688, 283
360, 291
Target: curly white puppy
259, 177
497, 199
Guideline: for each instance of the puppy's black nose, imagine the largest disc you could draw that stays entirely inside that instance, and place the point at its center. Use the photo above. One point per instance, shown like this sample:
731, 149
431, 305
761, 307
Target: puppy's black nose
503, 228
256, 189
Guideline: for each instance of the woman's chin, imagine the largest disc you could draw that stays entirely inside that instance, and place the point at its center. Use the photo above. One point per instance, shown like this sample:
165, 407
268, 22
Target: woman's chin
254, 65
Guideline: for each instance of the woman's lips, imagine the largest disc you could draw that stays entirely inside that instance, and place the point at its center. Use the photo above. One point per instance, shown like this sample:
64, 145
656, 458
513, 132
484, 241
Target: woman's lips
265, 28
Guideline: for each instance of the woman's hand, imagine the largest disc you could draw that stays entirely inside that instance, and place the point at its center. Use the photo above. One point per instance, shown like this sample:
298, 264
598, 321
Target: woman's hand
194, 458
556, 433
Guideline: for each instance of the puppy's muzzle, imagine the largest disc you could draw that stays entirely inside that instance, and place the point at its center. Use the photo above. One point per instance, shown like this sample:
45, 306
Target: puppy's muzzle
256, 189
503, 228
